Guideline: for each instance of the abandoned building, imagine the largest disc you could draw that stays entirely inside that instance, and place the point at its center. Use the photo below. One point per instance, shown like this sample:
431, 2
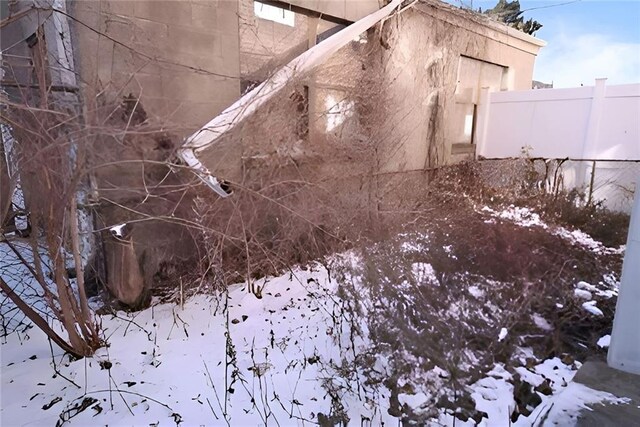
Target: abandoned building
373, 119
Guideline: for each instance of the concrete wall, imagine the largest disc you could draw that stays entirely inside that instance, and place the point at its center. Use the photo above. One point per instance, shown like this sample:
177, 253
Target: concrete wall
595, 122
266, 45
433, 82
347, 9
181, 57
435, 59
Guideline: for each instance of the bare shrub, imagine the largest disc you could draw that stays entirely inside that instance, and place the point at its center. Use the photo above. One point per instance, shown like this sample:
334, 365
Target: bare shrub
530, 183
50, 163
305, 184
432, 302
609, 227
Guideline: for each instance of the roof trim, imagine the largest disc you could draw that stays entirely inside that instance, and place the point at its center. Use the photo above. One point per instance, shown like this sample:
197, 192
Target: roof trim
484, 21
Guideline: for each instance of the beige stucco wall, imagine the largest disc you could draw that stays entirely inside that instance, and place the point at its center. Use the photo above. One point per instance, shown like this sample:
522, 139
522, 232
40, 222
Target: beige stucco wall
351, 10
180, 57
425, 48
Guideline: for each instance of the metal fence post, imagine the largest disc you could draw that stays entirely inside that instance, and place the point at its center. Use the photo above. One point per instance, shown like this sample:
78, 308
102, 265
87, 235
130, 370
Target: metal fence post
591, 181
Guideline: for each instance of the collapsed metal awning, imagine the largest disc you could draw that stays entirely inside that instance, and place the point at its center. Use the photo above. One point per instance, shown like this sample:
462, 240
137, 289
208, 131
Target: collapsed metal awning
244, 107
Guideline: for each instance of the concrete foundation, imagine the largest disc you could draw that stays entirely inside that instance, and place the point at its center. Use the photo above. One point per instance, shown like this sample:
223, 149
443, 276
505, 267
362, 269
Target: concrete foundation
599, 376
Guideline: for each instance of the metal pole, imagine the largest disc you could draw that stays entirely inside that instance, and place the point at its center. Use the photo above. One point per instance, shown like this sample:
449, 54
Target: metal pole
593, 175
624, 350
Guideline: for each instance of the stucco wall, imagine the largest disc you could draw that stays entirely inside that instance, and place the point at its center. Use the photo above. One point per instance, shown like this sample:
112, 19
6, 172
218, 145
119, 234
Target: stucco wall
181, 58
425, 47
347, 9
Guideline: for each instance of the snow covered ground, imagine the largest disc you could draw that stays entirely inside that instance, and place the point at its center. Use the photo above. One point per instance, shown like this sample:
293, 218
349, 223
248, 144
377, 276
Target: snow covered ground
234, 359
262, 361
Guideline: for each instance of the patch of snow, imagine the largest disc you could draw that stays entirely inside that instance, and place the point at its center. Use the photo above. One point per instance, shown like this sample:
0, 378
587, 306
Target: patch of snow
523, 217
578, 237
608, 293
526, 217
168, 360
476, 292
564, 407
503, 334
424, 273
494, 395
541, 322
586, 286
413, 247
581, 293
559, 373
524, 353
590, 306
611, 280
413, 401
604, 341
449, 251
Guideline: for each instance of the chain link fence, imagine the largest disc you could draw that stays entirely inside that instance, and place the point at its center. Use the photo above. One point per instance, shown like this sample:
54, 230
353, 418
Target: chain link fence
613, 183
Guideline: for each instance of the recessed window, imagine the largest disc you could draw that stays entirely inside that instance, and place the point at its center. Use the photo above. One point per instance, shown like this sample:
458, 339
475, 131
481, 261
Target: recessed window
275, 14
338, 110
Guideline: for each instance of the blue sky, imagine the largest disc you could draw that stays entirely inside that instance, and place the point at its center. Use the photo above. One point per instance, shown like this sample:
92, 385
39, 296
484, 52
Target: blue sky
586, 39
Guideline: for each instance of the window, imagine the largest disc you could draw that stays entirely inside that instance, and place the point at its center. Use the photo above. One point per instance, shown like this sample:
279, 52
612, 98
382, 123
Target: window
275, 14
338, 110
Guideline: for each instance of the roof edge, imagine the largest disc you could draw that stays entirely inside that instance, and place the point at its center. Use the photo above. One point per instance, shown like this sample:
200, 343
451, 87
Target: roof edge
485, 21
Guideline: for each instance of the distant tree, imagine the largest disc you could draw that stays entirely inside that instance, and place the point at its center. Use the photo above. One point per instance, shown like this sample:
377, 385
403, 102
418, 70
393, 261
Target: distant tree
510, 13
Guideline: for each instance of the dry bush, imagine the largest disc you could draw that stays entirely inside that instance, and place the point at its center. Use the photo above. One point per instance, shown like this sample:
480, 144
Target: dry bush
530, 183
49, 156
417, 322
304, 170
607, 226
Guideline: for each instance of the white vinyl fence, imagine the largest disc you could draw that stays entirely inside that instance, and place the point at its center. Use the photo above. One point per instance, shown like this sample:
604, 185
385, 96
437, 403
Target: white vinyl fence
587, 123
597, 128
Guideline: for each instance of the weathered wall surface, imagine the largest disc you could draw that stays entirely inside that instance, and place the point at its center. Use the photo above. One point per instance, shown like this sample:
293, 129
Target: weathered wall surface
265, 44
407, 94
433, 93
347, 9
181, 57
181, 60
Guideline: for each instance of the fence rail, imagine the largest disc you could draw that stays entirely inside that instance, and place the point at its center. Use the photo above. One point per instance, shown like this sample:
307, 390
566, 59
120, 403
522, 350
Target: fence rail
597, 122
